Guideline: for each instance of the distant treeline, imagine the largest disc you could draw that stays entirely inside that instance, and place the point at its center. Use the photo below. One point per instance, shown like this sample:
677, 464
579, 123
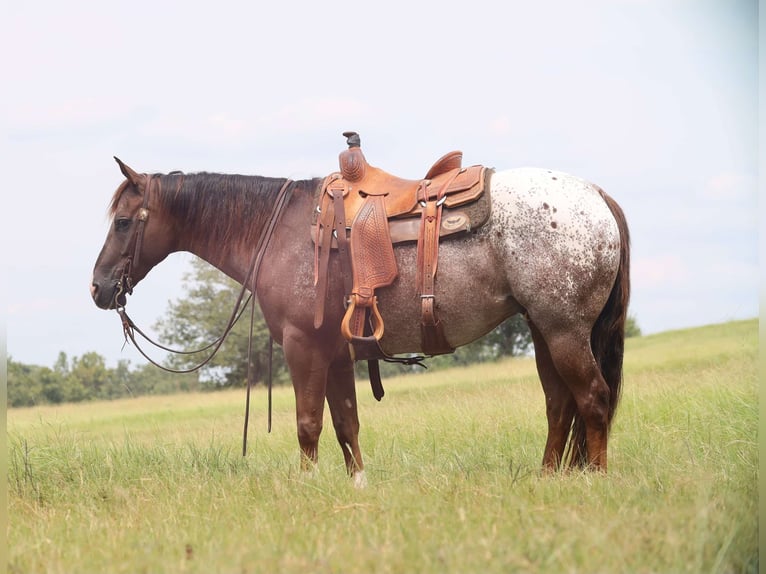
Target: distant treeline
88, 378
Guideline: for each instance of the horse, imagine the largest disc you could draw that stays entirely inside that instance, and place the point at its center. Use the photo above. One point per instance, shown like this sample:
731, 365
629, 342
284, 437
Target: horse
556, 250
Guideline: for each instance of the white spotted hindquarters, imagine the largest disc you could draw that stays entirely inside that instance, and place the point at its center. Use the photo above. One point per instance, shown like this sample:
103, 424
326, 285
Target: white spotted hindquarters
560, 241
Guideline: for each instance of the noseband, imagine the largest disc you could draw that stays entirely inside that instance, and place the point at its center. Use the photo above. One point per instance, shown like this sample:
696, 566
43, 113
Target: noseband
125, 282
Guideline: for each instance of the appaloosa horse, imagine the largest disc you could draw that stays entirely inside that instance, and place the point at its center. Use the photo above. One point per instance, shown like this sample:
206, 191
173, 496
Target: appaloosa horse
556, 250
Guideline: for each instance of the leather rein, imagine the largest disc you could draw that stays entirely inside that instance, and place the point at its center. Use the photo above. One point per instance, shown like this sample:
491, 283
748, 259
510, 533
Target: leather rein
125, 286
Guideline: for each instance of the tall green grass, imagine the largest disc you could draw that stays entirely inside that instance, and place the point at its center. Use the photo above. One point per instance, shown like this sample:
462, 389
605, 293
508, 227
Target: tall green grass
159, 484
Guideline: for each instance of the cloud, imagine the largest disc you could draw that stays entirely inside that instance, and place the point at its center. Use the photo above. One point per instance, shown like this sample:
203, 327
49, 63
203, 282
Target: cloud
33, 306
233, 126
226, 125
78, 121
309, 114
659, 271
500, 126
730, 186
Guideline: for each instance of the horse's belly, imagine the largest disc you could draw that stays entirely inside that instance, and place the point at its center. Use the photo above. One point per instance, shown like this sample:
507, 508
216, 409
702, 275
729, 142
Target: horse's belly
472, 295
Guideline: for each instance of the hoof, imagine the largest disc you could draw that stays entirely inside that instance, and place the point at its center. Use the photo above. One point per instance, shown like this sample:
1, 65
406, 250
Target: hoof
360, 479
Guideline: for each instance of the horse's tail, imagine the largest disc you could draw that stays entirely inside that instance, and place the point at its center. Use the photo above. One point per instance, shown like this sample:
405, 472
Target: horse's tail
607, 338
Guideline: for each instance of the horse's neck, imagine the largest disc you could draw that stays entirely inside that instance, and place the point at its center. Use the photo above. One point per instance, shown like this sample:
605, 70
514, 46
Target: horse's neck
232, 263
232, 256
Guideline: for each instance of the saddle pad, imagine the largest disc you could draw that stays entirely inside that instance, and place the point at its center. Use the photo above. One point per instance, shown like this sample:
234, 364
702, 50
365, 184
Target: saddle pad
467, 186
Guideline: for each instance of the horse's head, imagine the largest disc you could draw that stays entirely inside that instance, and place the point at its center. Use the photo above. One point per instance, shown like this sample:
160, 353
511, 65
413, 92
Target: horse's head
136, 242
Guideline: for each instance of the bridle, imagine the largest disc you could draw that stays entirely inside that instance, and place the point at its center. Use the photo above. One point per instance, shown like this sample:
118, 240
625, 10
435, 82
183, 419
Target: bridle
125, 282
125, 286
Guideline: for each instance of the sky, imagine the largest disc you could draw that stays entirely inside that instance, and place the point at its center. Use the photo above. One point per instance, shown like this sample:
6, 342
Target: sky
656, 101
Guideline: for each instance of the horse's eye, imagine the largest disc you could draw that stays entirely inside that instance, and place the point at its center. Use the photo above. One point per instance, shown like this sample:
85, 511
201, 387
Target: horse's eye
121, 224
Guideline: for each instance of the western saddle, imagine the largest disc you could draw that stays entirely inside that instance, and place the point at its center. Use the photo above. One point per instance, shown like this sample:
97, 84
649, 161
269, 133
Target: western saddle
362, 211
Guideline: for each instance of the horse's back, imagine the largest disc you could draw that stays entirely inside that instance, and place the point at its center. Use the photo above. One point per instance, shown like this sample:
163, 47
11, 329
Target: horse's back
560, 241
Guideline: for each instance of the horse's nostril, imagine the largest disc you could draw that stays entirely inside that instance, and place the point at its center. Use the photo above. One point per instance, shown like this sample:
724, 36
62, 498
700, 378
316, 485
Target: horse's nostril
93, 290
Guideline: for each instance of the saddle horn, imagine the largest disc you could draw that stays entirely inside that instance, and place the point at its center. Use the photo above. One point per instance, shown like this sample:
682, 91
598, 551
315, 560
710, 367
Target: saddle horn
353, 164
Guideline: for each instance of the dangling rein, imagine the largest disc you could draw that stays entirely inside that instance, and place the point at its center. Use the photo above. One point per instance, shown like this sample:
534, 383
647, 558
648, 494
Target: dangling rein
129, 328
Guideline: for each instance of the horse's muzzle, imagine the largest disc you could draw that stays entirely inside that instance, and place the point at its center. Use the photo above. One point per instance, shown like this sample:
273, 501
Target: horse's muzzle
105, 294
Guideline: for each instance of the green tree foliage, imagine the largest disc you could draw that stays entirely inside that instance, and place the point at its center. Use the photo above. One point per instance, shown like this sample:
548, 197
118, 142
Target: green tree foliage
631, 327
147, 379
510, 338
200, 317
88, 378
25, 386
89, 371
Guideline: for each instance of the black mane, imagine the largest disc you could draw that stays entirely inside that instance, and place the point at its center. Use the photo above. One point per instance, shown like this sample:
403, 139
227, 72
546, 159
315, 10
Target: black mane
217, 204
220, 204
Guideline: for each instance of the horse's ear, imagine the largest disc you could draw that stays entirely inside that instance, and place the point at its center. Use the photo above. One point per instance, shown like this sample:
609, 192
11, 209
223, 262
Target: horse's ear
128, 172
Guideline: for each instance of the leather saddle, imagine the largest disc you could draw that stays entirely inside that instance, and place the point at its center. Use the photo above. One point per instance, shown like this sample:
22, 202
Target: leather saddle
362, 211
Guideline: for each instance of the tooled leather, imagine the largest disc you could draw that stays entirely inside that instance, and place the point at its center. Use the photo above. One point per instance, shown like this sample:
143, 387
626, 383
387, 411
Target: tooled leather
372, 252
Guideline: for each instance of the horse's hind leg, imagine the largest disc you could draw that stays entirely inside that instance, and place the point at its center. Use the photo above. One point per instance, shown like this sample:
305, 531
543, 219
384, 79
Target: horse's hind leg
573, 359
560, 406
341, 397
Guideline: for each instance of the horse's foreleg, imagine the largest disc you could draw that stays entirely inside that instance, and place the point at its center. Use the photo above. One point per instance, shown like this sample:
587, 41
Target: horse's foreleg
308, 367
560, 406
341, 397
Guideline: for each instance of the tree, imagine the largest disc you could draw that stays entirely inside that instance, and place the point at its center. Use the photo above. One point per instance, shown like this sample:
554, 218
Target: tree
508, 339
200, 317
149, 380
631, 327
61, 366
90, 379
24, 386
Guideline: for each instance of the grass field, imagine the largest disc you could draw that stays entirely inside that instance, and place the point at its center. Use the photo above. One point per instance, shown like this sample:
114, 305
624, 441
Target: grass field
159, 484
